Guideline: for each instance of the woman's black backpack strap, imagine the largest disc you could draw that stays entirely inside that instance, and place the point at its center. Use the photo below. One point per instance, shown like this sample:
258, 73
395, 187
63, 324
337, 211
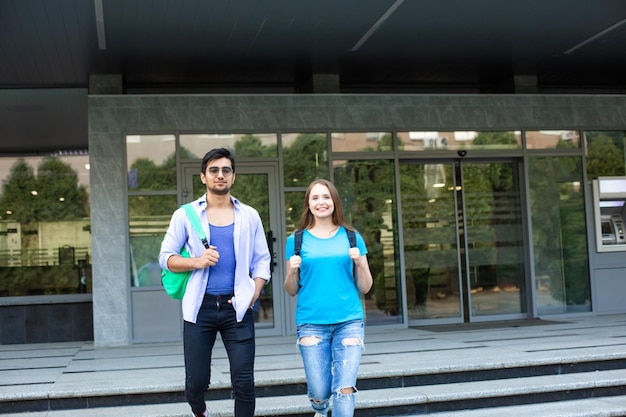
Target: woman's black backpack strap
351, 238
298, 242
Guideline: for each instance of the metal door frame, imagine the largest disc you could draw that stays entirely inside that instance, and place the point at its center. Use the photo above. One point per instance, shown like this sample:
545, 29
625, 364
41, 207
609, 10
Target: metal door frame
465, 305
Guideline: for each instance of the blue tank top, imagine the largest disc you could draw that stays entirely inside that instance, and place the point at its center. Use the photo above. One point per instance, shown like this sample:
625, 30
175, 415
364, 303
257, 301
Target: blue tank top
222, 275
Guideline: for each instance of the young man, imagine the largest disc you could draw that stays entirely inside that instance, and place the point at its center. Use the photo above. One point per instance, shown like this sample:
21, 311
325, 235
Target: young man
227, 279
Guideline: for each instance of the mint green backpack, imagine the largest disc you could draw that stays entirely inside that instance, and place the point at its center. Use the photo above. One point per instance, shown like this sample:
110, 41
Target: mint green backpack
175, 283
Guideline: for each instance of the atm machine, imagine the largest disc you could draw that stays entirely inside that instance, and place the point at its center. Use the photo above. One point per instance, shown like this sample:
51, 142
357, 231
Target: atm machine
609, 203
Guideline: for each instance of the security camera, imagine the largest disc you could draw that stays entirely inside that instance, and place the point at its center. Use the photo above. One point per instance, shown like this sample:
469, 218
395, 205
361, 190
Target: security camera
462, 153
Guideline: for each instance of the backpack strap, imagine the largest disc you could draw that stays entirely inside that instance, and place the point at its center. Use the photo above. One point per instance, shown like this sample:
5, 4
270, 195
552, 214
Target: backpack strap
298, 242
351, 238
195, 223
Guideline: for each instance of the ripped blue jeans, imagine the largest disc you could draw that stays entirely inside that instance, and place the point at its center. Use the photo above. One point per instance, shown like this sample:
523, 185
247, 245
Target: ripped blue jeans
331, 354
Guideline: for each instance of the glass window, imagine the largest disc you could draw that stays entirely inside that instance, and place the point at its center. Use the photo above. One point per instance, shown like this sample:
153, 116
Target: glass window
151, 161
45, 239
559, 234
367, 189
437, 141
151, 202
430, 240
552, 139
605, 153
149, 217
361, 141
491, 230
472, 205
246, 145
305, 158
294, 205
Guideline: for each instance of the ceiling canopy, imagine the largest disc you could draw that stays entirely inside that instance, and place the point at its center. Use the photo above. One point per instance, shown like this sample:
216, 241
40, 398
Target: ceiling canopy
287, 46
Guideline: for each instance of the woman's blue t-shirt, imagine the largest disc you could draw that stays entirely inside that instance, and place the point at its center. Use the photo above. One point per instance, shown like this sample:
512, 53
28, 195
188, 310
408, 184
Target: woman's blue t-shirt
327, 293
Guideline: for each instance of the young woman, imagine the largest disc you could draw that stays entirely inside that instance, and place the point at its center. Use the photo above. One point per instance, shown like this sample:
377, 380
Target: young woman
328, 276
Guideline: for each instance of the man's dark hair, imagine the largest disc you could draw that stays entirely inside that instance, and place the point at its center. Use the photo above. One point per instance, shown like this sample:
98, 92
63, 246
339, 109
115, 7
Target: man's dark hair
217, 153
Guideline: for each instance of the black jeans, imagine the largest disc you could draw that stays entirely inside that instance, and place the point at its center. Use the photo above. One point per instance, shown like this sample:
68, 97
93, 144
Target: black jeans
217, 315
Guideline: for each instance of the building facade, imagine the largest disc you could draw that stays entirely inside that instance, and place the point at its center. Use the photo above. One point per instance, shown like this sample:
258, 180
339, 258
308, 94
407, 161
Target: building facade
498, 169
474, 207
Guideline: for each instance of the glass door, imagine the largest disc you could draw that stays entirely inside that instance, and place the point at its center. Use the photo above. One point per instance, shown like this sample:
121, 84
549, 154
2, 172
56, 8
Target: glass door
464, 246
256, 186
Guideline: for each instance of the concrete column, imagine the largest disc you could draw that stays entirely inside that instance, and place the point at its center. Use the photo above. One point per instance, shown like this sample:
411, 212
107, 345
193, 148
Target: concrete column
325, 83
525, 84
106, 84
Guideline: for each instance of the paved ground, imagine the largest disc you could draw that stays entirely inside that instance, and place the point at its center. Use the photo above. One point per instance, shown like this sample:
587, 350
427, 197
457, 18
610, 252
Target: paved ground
78, 369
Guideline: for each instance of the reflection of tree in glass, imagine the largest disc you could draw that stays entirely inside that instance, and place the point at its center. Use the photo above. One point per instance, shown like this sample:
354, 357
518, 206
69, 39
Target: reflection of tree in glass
495, 140
575, 252
53, 195
149, 176
145, 175
559, 228
566, 144
605, 154
16, 193
414, 214
252, 189
249, 146
365, 187
58, 193
386, 142
304, 161
492, 204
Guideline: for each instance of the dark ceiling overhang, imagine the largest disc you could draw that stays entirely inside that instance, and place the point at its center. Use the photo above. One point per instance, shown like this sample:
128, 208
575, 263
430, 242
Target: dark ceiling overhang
253, 46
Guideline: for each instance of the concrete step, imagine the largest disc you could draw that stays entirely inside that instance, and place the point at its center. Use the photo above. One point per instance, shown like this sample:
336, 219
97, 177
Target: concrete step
585, 394
404, 372
592, 407
156, 387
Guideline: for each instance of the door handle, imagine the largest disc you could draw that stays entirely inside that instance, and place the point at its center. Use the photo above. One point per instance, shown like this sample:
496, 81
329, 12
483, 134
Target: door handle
270, 246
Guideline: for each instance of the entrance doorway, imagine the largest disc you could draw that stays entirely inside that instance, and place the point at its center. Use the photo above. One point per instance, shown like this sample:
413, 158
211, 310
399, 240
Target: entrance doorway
464, 241
256, 186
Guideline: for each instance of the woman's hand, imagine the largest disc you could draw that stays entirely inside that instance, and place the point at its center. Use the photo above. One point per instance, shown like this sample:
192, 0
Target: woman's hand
292, 278
355, 255
364, 279
295, 261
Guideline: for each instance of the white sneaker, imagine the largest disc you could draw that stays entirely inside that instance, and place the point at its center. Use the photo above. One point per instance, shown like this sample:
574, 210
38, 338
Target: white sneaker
318, 415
